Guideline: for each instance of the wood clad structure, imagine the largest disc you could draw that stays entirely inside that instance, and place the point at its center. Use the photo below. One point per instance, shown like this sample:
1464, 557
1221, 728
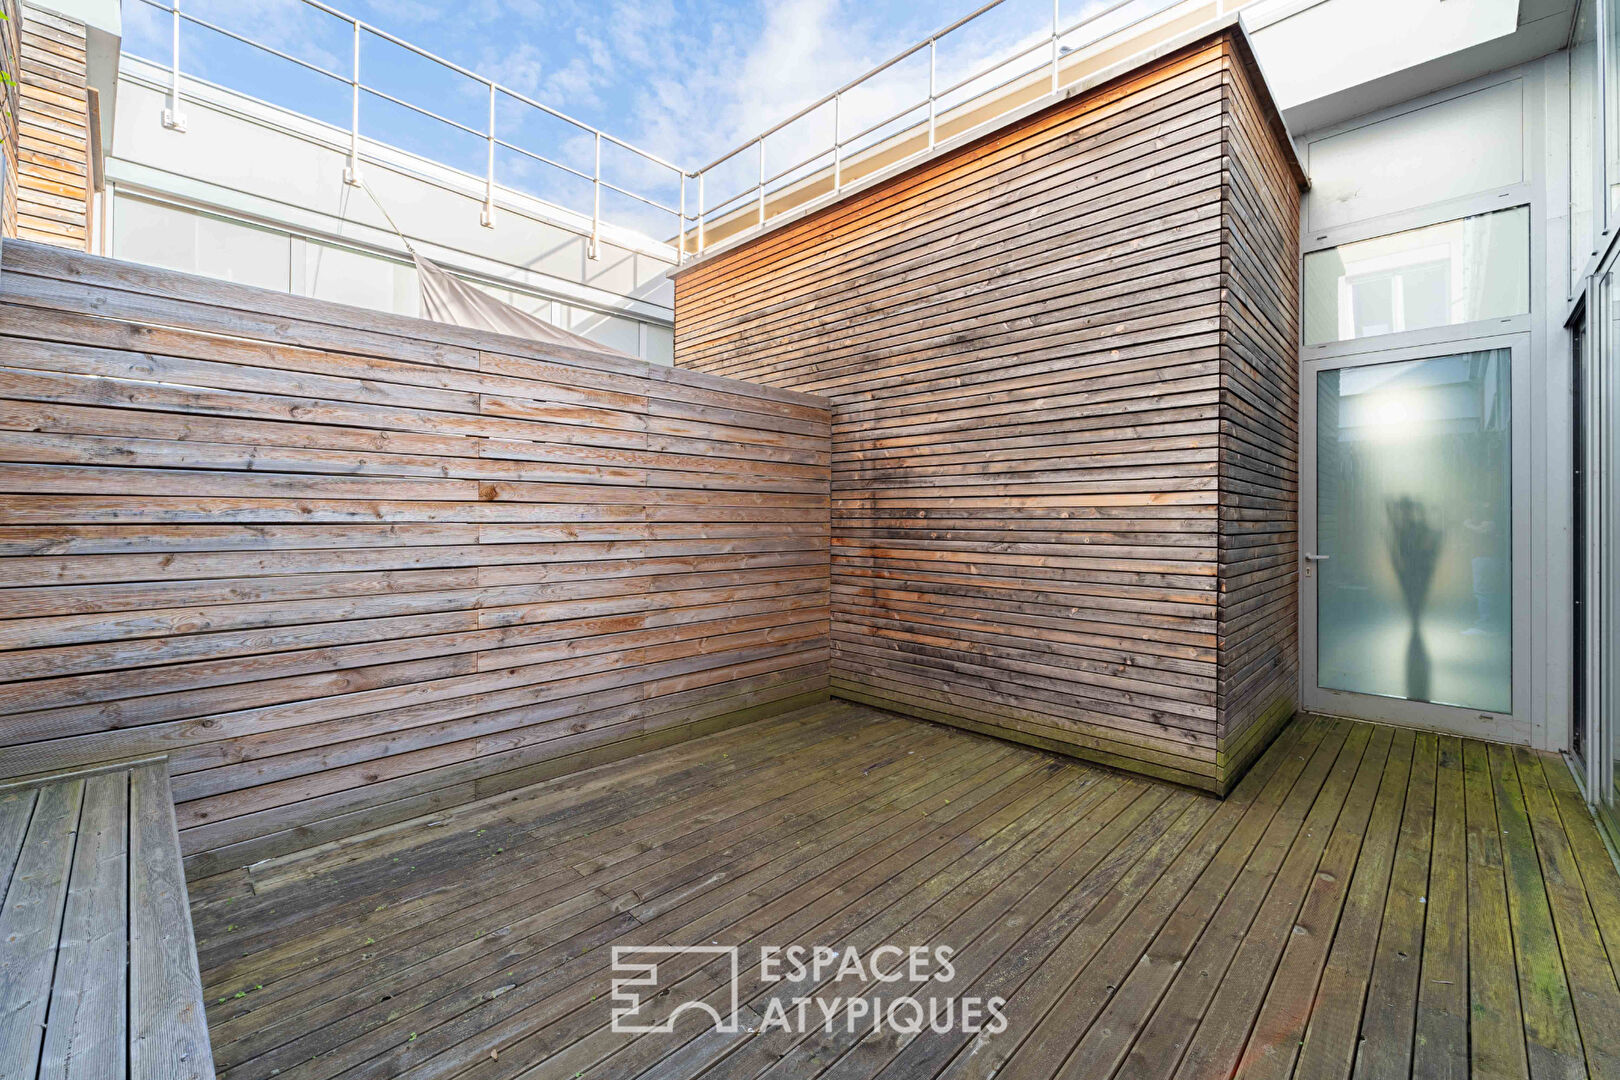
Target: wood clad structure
1257, 575
1062, 366
10, 106
53, 143
99, 971
347, 568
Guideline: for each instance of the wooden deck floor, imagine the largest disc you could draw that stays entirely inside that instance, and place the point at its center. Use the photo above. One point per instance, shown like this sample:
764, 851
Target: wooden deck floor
1369, 901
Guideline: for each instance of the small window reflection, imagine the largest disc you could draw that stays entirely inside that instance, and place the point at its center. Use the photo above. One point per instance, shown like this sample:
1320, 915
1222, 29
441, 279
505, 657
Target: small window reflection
1440, 275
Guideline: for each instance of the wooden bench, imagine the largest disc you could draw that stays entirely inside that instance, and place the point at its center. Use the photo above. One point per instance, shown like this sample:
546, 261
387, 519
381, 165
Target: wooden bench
98, 966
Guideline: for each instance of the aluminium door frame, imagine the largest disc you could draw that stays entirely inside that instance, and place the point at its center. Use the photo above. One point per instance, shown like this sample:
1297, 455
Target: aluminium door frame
1511, 727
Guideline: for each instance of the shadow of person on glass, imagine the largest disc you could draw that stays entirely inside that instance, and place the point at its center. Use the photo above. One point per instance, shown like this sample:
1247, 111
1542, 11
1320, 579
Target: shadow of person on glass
1414, 549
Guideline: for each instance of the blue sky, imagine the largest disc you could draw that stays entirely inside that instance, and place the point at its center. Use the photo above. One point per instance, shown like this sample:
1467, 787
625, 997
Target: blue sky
685, 79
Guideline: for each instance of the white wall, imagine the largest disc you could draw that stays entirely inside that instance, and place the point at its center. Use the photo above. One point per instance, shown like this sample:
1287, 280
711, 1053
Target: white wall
1325, 47
1328, 60
255, 194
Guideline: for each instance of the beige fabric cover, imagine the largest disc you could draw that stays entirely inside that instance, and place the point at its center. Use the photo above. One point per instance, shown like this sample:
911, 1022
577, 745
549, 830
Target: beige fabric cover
448, 299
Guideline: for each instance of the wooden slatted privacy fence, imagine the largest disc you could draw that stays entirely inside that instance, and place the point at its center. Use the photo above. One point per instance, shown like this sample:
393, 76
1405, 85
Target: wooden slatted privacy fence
346, 568
52, 198
10, 107
1062, 361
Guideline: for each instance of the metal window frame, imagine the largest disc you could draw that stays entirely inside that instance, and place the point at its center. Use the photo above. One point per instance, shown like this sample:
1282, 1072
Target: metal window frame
1513, 198
1516, 726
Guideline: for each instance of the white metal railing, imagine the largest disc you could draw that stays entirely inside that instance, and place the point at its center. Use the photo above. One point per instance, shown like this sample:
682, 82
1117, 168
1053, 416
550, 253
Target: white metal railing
174, 116
829, 158
756, 192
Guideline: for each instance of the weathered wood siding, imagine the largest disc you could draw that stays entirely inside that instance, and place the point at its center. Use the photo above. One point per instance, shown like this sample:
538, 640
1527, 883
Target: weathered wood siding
100, 972
1259, 558
345, 568
53, 132
1063, 379
10, 105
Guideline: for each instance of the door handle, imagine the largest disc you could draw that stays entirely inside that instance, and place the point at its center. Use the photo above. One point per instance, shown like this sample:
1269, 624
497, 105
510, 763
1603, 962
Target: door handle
1316, 558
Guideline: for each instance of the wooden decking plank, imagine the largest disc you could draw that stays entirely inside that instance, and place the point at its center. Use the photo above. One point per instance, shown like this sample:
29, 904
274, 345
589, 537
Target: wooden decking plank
1496, 1032
579, 795
1593, 990
16, 809
1552, 1038
763, 1051
1316, 994
904, 884
659, 890
1165, 1037
442, 890
1390, 979
957, 921
412, 959
1122, 883
1066, 896
168, 1036
1135, 929
632, 833
1440, 1039
1302, 904
913, 905
823, 879
85, 1036
416, 956
1097, 948
1597, 869
429, 894
506, 887
30, 923
584, 795
1094, 1028
918, 907
554, 962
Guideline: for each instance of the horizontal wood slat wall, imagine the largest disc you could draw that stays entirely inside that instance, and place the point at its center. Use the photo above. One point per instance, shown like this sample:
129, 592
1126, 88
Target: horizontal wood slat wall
346, 568
10, 105
1059, 510
53, 151
1259, 585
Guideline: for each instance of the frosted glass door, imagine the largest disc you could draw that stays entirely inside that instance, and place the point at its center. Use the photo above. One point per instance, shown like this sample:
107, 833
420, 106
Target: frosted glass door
1414, 518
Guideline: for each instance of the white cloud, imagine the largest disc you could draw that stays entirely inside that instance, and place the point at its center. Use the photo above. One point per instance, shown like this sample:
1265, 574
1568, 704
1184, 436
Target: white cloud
733, 84
407, 11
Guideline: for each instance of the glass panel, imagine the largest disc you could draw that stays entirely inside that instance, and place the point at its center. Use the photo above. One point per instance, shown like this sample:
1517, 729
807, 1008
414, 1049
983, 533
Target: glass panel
1583, 119
198, 243
1455, 272
1611, 105
353, 277
1414, 510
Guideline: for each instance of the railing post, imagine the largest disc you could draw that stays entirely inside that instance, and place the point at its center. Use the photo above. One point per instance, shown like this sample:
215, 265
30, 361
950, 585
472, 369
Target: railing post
1055, 26
700, 178
351, 171
487, 218
933, 77
838, 142
596, 201
680, 252
762, 181
173, 118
